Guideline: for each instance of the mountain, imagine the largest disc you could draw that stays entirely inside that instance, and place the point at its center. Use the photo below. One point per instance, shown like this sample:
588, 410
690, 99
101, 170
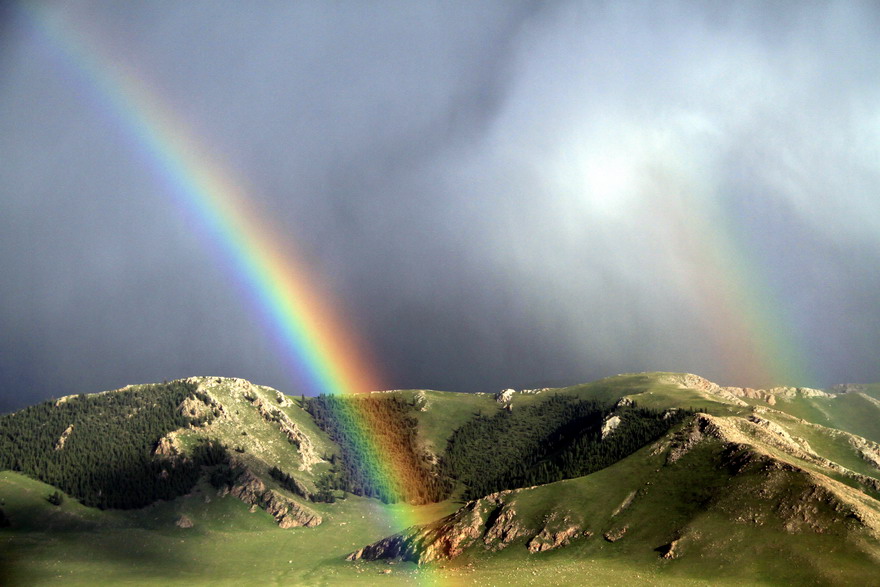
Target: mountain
657, 478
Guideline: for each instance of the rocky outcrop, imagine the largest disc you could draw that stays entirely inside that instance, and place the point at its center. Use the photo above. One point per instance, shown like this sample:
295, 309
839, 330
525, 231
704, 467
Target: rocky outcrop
803, 500
691, 381
505, 397
849, 388
167, 447
734, 394
688, 437
420, 401
491, 523
59, 444
615, 534
609, 425
287, 513
184, 522
775, 435
195, 409
751, 393
294, 435
556, 533
669, 551
503, 527
763, 475
869, 451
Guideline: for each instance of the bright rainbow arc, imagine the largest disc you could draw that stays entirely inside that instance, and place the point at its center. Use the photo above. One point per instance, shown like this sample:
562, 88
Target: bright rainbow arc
323, 345
313, 334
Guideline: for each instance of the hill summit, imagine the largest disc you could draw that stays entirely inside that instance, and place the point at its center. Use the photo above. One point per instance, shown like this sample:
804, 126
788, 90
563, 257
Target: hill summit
665, 474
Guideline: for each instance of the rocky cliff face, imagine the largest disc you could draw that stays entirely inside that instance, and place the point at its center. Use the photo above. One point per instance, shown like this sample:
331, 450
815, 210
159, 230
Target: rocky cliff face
488, 521
287, 513
491, 523
764, 476
59, 445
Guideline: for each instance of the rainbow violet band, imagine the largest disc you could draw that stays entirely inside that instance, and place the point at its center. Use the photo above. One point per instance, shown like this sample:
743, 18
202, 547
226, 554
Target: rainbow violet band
317, 341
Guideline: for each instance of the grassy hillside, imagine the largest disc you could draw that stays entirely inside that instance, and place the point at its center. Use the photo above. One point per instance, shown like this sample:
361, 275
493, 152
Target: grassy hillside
774, 487
857, 413
711, 500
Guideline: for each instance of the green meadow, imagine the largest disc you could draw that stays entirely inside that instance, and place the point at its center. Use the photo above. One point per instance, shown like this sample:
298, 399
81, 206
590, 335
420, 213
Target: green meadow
733, 509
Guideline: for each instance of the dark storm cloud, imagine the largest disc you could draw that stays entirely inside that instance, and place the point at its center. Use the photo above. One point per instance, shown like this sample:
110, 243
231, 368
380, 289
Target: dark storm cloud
484, 188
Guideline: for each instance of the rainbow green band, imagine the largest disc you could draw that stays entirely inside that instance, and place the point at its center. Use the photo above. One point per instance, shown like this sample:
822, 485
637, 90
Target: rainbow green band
322, 346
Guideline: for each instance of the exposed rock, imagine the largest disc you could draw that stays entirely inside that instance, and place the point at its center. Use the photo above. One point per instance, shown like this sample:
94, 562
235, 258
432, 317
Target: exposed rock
287, 513
166, 447
780, 438
750, 393
503, 528
691, 381
668, 551
804, 500
183, 522
505, 397
869, 451
733, 394
689, 436
849, 388
196, 409
554, 535
695, 382
59, 444
448, 537
799, 391
610, 424
757, 484
282, 400
491, 523
294, 435
615, 534
625, 504
420, 401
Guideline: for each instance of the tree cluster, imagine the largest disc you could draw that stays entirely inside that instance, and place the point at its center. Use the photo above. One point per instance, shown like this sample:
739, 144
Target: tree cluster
380, 456
560, 438
106, 457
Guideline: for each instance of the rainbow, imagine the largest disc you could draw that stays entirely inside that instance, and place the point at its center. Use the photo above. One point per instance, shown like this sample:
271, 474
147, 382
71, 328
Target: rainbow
746, 322
731, 292
320, 343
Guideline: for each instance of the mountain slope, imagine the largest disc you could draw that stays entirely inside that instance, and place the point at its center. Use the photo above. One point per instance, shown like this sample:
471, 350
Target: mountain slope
762, 486
715, 493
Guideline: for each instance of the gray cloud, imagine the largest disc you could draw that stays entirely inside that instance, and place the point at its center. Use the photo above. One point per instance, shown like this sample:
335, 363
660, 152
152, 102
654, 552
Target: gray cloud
501, 194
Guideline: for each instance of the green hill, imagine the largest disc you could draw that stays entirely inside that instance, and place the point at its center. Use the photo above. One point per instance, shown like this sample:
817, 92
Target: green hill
656, 478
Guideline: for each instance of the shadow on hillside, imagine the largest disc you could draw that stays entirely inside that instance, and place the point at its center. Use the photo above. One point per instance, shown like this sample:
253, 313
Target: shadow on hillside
98, 556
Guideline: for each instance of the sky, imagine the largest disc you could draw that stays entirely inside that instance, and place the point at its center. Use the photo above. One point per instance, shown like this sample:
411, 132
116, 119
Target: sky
487, 195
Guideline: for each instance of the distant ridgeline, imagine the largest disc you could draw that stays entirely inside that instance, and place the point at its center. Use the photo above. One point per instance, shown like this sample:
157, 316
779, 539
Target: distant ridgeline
559, 438
102, 448
108, 461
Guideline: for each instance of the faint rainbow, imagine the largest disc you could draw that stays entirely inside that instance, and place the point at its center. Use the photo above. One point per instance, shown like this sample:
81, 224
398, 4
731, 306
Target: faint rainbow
747, 324
315, 336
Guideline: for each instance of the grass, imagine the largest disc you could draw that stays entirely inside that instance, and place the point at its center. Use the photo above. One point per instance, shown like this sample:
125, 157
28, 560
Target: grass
695, 498
852, 412
228, 544
445, 411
